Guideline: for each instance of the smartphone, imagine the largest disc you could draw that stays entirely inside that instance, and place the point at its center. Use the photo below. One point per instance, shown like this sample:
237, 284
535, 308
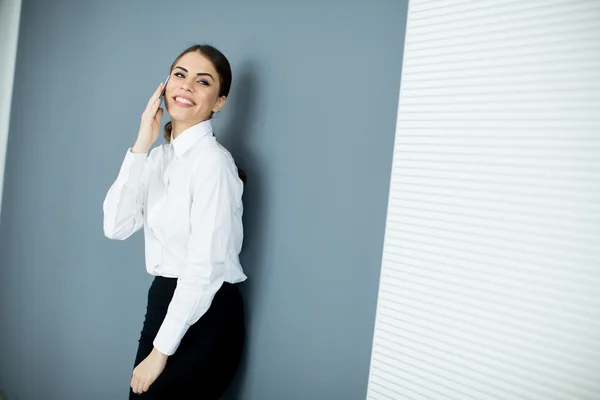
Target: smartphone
162, 93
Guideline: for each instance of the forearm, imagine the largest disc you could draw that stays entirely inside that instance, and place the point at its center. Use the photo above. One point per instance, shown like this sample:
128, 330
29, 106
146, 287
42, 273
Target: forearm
140, 146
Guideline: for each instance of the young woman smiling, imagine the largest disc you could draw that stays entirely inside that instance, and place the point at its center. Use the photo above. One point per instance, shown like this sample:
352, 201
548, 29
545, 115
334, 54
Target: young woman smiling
187, 195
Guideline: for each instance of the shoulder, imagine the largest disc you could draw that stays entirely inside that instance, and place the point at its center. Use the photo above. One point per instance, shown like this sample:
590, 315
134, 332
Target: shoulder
213, 154
216, 164
214, 161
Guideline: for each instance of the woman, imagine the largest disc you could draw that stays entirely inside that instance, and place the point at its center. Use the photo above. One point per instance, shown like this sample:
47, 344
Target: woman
187, 195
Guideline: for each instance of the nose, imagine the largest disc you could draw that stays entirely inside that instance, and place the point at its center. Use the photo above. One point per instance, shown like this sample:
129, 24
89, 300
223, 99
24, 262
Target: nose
186, 85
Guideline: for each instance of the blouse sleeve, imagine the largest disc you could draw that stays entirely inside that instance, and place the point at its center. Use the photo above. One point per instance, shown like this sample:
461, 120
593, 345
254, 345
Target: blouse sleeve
124, 203
216, 194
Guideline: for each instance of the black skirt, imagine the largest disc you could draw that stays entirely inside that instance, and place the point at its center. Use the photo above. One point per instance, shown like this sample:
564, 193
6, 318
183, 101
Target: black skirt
210, 351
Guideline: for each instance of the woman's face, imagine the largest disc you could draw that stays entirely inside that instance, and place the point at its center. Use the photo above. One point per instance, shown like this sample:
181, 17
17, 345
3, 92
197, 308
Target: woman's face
192, 92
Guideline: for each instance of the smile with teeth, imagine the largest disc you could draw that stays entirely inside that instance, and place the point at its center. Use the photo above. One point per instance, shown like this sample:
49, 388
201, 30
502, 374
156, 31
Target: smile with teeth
183, 101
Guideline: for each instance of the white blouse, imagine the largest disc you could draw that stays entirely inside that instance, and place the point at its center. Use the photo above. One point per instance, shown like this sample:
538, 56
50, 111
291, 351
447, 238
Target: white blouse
188, 197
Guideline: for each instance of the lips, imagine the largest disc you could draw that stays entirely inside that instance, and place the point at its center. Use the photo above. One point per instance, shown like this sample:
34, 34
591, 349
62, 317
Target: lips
183, 101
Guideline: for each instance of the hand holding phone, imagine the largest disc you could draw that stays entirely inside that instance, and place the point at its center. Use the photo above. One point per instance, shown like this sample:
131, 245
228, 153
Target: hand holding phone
162, 93
150, 121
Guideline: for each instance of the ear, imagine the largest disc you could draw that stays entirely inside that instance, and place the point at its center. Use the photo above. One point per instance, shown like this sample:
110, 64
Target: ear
219, 104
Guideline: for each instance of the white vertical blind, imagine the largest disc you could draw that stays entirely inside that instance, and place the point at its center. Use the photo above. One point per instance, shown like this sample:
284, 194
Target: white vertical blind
490, 282
10, 12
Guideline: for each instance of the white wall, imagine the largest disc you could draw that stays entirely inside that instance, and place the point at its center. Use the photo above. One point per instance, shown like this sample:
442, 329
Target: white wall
490, 277
10, 11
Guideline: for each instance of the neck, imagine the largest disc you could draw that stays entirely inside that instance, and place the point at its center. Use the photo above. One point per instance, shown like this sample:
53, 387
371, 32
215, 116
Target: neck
179, 126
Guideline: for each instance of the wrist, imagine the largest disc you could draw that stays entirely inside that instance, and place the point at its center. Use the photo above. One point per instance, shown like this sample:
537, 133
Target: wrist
139, 147
158, 354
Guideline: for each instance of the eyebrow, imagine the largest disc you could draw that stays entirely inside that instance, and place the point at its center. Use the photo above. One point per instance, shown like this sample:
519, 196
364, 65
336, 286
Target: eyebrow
198, 74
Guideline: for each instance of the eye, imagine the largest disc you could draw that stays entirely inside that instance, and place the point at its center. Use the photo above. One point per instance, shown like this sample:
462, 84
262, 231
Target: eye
179, 75
203, 82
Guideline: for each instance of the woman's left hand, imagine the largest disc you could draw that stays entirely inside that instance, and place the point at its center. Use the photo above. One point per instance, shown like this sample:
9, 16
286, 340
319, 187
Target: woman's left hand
147, 371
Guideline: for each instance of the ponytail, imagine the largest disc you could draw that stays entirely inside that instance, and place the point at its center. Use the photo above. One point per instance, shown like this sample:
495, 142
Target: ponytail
168, 130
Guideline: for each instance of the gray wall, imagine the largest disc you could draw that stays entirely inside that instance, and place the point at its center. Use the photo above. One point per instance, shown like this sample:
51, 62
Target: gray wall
311, 118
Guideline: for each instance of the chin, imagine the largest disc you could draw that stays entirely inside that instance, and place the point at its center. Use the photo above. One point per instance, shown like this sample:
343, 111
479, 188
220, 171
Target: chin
186, 115
182, 115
